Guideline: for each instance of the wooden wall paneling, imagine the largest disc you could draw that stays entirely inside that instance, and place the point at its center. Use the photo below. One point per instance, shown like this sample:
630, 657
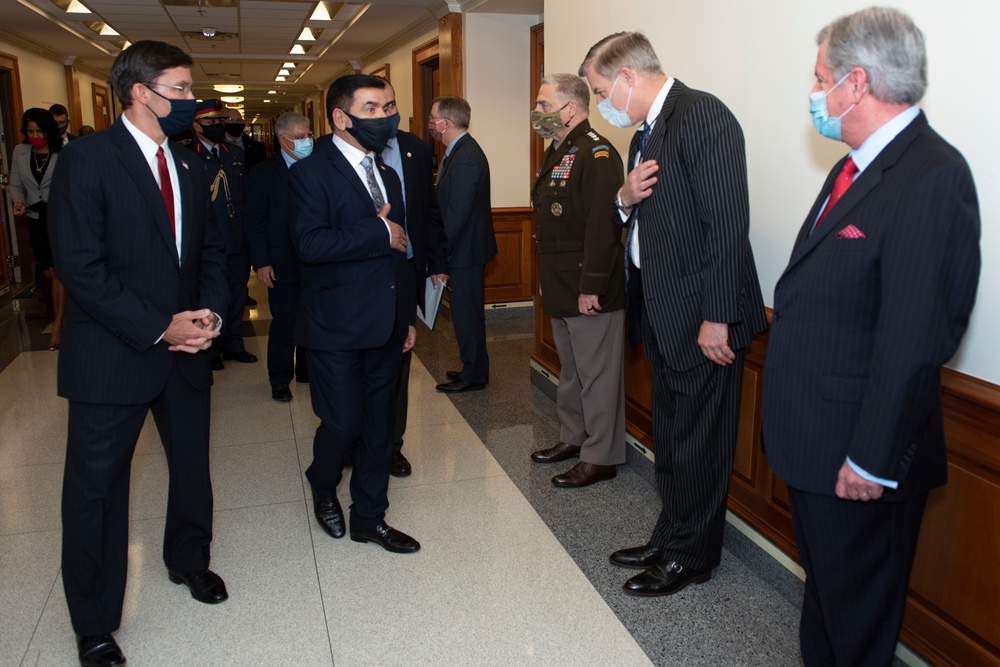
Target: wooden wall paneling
73, 97
452, 60
509, 277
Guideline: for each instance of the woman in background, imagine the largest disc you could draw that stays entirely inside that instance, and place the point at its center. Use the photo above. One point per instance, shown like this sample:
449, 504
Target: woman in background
32, 167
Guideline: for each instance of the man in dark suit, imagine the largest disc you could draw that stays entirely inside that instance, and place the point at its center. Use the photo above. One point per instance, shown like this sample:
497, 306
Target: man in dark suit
357, 307
692, 293
273, 253
253, 151
876, 297
61, 114
133, 232
463, 194
581, 271
225, 173
413, 161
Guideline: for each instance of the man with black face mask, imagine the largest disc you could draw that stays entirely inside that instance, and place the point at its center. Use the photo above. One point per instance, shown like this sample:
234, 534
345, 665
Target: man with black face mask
356, 309
253, 151
225, 172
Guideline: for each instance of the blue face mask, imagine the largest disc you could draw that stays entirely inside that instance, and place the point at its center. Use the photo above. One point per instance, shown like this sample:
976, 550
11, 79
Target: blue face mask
828, 127
614, 116
303, 148
181, 115
394, 121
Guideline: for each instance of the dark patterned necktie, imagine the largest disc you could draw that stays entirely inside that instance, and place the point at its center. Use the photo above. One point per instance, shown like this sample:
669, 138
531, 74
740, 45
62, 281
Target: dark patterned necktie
372, 183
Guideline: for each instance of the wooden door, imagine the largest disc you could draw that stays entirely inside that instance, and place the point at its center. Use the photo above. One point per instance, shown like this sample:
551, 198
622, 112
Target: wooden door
102, 107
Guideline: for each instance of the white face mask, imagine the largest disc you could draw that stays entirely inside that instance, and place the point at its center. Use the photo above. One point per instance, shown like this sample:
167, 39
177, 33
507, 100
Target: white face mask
616, 117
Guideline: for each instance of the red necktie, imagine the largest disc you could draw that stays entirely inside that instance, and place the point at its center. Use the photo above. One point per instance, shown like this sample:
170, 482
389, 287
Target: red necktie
166, 190
844, 180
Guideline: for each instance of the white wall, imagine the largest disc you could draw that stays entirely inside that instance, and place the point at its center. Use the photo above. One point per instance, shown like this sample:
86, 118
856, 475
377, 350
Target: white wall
85, 82
497, 86
758, 58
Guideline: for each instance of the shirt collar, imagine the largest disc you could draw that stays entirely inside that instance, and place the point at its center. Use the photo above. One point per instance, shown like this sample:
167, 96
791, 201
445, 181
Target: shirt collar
353, 155
657, 106
289, 160
146, 144
451, 146
881, 138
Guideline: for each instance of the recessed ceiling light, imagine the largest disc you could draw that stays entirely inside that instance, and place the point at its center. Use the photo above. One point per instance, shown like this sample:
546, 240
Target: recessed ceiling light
267, 101
272, 92
231, 99
279, 78
284, 72
77, 7
307, 35
208, 32
228, 87
108, 31
320, 13
127, 44
297, 50
290, 65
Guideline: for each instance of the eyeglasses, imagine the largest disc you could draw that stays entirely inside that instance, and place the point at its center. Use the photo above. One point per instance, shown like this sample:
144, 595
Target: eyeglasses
185, 90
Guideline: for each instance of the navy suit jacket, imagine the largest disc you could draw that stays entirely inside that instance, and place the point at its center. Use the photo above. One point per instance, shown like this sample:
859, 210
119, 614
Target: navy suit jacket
694, 243
861, 326
357, 291
268, 233
423, 216
463, 193
115, 252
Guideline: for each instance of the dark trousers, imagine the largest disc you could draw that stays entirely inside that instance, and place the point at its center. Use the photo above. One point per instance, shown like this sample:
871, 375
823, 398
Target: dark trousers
467, 300
695, 418
284, 361
353, 393
95, 497
402, 400
230, 340
857, 557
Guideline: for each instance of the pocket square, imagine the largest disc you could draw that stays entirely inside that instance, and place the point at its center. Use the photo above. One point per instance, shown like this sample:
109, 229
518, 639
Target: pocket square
850, 232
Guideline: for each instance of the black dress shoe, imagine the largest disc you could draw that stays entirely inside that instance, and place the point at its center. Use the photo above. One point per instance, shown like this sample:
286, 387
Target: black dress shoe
453, 375
242, 356
584, 474
99, 651
664, 579
456, 386
560, 452
281, 392
637, 558
330, 515
252, 302
400, 466
217, 364
206, 586
386, 537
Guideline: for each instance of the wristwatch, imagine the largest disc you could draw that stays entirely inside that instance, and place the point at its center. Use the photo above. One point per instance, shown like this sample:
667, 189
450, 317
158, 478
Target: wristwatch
619, 204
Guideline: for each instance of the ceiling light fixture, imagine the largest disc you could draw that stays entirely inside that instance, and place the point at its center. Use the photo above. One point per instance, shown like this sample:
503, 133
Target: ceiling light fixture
279, 78
208, 32
77, 7
289, 65
320, 13
108, 31
231, 99
297, 50
228, 87
272, 92
307, 35
284, 72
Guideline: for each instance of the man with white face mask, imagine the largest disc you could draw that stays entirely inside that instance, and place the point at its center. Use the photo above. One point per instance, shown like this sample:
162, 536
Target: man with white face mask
876, 296
272, 252
693, 296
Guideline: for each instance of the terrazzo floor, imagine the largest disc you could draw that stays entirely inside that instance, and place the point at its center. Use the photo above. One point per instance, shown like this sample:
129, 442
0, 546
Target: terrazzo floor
513, 571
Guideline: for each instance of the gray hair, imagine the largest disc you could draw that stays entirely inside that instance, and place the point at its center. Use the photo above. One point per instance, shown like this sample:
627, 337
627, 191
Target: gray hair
570, 86
455, 109
286, 120
887, 45
622, 49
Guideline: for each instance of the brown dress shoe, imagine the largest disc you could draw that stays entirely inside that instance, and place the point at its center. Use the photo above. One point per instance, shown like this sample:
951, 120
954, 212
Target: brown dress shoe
584, 474
560, 452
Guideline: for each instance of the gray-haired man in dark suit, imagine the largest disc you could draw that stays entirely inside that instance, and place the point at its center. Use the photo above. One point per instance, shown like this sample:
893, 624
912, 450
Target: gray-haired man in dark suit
692, 293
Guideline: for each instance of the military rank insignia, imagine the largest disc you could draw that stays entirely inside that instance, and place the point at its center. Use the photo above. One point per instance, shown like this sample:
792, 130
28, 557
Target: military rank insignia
600, 151
562, 169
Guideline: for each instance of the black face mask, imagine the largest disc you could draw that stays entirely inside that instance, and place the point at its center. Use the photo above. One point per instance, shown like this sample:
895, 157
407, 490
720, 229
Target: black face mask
371, 133
235, 129
214, 133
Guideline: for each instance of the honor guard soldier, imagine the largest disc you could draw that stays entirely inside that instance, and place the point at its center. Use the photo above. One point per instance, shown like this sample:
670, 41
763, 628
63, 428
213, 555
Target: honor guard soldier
225, 171
582, 271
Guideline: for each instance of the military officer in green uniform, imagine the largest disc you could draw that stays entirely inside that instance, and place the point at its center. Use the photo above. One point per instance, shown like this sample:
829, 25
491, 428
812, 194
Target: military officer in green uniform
582, 272
225, 170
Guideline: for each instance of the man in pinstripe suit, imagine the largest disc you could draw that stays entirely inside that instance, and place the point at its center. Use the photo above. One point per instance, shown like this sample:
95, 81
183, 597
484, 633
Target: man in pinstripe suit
693, 296
875, 298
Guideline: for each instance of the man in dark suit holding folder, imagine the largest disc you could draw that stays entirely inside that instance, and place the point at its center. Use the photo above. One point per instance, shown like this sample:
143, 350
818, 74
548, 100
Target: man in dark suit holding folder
144, 265
876, 297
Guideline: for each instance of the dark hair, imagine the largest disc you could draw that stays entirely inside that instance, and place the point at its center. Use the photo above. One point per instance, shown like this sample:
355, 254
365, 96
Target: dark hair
86, 129
340, 94
46, 123
58, 110
142, 63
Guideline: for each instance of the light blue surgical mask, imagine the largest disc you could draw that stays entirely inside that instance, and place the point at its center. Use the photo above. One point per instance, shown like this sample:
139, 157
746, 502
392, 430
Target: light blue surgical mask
828, 127
614, 116
303, 147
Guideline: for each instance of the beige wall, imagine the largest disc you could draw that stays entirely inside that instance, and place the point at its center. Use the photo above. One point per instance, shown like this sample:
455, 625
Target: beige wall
43, 81
401, 74
758, 58
85, 81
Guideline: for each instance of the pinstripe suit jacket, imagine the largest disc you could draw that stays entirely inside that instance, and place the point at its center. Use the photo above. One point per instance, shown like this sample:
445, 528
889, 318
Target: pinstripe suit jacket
861, 326
114, 249
695, 252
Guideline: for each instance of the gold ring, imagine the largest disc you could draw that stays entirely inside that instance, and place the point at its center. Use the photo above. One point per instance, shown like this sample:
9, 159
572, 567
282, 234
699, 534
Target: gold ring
864, 495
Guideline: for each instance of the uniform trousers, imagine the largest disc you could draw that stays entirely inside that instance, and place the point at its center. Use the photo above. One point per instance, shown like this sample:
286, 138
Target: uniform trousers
695, 419
857, 557
283, 359
95, 497
353, 393
590, 400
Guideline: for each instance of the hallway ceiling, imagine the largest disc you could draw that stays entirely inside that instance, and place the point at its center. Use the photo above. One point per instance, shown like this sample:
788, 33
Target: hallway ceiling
244, 42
